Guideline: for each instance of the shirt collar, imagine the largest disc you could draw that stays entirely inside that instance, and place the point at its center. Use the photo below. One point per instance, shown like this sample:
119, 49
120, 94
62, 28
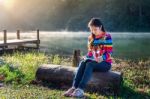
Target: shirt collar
100, 36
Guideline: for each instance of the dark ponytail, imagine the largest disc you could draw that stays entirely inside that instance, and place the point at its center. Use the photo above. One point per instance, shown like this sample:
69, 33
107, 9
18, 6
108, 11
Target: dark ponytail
96, 22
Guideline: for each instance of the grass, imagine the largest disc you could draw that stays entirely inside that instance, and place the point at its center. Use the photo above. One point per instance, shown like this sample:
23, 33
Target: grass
19, 70
136, 76
24, 66
37, 92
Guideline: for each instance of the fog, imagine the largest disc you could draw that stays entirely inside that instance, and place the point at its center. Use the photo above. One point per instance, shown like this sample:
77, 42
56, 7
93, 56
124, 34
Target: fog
73, 15
27, 14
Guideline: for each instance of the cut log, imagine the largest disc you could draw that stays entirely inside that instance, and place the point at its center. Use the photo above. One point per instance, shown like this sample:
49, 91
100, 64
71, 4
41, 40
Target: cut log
59, 74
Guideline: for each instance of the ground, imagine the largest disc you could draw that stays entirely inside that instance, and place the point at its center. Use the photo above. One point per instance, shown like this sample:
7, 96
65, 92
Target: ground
18, 71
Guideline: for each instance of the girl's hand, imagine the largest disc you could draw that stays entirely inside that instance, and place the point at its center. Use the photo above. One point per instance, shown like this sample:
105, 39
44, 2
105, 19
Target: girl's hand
100, 59
90, 54
83, 57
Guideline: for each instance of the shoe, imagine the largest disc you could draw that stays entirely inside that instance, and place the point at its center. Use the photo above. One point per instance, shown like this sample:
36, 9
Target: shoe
78, 93
69, 92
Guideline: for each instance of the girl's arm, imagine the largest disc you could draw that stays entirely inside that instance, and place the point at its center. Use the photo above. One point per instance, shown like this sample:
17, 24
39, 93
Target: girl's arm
89, 54
108, 48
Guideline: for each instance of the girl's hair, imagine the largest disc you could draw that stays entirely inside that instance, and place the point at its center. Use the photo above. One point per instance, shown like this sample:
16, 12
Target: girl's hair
97, 23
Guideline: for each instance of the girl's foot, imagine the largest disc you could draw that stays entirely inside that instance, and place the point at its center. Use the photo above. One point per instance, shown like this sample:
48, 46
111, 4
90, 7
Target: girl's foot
69, 92
78, 93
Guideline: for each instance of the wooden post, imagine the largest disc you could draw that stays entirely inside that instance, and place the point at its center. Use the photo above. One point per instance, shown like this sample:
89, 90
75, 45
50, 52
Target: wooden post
18, 37
76, 58
18, 34
5, 39
5, 36
38, 38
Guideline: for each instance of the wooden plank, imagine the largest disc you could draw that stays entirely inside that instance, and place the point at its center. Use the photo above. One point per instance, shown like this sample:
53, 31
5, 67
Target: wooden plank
17, 42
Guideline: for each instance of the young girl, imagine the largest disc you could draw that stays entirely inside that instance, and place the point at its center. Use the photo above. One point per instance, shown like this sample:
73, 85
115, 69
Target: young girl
98, 58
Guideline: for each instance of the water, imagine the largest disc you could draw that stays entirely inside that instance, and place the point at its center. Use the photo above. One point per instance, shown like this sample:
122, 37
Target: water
125, 45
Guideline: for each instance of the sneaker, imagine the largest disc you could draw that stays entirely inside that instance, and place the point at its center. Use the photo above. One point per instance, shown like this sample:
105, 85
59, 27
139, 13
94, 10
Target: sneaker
69, 92
79, 93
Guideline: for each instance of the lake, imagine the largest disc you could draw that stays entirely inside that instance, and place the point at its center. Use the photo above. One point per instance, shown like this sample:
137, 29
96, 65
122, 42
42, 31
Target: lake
126, 45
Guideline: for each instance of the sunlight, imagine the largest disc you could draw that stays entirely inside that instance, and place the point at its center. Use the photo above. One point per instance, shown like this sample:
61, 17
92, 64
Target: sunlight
7, 3
2, 2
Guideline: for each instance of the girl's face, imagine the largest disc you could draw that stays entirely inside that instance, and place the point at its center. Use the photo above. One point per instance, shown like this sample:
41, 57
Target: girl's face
96, 30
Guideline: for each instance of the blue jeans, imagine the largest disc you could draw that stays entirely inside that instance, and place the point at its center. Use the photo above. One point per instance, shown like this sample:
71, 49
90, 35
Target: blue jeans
85, 70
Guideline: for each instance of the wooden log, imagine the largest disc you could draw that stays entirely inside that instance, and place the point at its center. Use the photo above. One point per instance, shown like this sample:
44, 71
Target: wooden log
59, 74
76, 58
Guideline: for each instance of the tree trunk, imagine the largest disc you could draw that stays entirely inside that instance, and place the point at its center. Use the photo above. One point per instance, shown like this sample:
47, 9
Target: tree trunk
59, 74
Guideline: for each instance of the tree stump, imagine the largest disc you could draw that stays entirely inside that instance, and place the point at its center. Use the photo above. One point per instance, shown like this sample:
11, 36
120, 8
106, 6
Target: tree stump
76, 58
59, 74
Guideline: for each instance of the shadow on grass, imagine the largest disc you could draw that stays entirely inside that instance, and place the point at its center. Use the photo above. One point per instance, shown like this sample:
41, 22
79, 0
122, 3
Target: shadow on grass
129, 93
125, 91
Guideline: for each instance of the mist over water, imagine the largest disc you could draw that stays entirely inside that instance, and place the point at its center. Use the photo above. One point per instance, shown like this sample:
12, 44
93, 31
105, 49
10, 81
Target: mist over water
125, 45
73, 15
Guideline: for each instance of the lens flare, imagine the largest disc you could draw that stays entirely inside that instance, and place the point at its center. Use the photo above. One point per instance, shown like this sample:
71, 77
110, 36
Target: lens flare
7, 3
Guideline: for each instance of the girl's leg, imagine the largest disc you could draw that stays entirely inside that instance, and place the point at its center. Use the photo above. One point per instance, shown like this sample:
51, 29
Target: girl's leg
76, 79
90, 66
79, 73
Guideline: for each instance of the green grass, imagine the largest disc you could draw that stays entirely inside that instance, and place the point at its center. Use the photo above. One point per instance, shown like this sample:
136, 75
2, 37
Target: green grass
37, 92
24, 66
136, 77
19, 70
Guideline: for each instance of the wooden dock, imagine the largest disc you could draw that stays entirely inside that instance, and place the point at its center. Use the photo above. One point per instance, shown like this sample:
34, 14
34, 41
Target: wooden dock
5, 43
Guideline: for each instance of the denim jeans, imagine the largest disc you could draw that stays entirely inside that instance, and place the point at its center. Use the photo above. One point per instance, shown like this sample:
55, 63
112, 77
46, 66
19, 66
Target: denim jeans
85, 70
